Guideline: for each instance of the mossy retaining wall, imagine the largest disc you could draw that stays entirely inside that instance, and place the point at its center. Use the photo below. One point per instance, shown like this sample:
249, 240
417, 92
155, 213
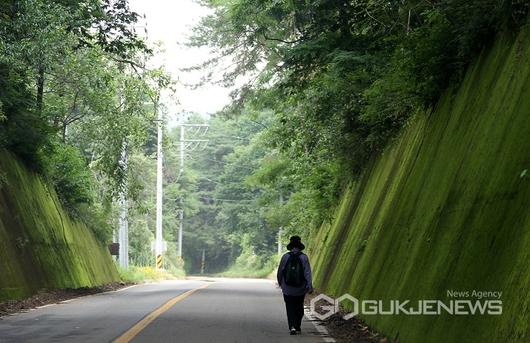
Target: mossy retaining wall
41, 247
446, 207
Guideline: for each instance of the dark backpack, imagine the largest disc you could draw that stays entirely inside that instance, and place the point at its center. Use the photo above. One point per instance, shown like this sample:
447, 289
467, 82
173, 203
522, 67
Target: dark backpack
293, 273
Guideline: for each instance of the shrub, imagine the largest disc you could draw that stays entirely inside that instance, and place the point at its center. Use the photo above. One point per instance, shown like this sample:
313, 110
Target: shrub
66, 170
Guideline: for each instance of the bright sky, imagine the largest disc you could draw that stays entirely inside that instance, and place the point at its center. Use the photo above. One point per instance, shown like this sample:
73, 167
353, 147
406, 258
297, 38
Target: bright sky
170, 22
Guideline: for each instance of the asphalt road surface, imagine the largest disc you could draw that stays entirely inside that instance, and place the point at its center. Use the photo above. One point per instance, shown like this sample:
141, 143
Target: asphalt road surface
208, 310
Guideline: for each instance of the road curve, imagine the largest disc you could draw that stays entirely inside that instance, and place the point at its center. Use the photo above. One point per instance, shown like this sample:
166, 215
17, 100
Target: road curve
197, 310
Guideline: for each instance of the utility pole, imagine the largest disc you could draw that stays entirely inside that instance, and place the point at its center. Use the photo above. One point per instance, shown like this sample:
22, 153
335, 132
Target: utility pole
280, 229
181, 220
184, 144
181, 212
203, 261
123, 224
159, 240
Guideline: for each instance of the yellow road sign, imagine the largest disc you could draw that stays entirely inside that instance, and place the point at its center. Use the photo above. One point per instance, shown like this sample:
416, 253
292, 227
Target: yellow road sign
159, 261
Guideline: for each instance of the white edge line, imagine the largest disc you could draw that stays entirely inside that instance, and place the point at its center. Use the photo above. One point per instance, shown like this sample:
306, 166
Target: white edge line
96, 294
77, 298
71, 300
122, 289
320, 327
74, 299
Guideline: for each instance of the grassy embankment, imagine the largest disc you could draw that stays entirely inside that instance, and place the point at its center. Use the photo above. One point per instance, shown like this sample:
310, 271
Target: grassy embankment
136, 274
41, 247
262, 270
446, 207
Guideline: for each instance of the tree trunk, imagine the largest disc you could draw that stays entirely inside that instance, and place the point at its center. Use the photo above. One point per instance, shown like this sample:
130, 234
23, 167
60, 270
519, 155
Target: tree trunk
64, 130
40, 89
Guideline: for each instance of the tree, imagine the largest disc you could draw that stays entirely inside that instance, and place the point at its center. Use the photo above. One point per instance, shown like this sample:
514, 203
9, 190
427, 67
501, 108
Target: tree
74, 93
343, 77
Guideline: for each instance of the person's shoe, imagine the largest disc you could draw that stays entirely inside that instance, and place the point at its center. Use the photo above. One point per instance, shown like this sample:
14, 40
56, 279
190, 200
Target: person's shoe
293, 331
298, 330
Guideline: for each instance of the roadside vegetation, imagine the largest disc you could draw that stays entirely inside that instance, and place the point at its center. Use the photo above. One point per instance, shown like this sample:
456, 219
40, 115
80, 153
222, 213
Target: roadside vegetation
78, 102
326, 85
136, 274
75, 94
445, 207
41, 247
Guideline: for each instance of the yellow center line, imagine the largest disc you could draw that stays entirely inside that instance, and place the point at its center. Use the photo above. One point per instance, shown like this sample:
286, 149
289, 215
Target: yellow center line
135, 330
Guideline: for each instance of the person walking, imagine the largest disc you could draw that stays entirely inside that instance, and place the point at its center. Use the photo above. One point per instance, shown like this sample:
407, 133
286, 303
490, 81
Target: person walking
294, 277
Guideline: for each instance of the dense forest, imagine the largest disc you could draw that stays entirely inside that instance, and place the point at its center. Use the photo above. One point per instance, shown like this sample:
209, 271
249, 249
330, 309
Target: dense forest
330, 83
321, 87
75, 96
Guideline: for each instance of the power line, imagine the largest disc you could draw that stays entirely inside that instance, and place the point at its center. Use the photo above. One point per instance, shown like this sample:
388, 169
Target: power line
199, 129
228, 200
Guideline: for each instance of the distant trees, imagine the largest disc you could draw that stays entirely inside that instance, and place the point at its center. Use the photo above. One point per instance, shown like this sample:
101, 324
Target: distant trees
221, 207
326, 85
342, 78
225, 212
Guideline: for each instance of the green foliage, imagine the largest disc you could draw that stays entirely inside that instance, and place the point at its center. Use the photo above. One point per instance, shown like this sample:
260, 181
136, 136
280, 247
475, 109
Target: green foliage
444, 208
136, 274
67, 172
142, 214
343, 77
40, 245
74, 72
249, 263
220, 204
21, 131
96, 217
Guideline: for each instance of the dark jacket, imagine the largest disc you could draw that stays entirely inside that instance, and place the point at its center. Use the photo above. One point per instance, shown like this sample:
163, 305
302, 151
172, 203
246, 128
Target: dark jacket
290, 290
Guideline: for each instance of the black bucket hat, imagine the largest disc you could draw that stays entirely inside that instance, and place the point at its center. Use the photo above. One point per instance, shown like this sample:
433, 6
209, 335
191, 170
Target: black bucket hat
295, 242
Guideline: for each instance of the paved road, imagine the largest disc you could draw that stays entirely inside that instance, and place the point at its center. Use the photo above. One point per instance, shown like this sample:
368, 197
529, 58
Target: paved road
212, 311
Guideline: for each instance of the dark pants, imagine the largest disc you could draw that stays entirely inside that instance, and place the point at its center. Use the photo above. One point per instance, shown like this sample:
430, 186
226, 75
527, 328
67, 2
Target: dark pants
295, 310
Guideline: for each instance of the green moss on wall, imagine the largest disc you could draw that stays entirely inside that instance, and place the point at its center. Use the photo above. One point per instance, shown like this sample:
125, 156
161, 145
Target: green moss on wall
446, 207
40, 246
